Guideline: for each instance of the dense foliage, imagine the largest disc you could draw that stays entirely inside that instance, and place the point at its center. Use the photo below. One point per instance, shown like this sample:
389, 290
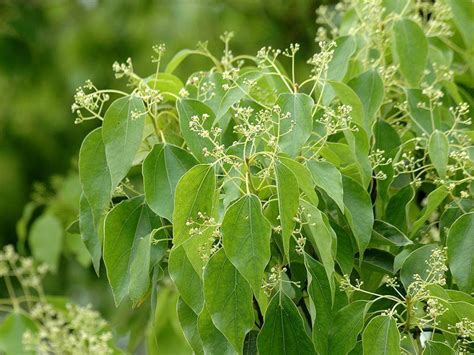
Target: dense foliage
330, 213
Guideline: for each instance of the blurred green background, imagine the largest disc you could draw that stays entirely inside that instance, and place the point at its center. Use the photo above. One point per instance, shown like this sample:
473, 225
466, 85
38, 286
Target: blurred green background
49, 47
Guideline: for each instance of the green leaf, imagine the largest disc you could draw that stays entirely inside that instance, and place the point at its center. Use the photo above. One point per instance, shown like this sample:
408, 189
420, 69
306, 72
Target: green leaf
214, 342
322, 238
228, 299
387, 234
165, 83
246, 239
283, 331
194, 194
437, 348
122, 135
140, 270
162, 169
187, 108
177, 59
288, 203
346, 327
397, 207
321, 298
327, 177
91, 233
433, 201
370, 89
410, 50
94, 174
186, 279
415, 263
337, 67
125, 225
12, 328
303, 175
381, 337
424, 121
237, 92
438, 149
358, 212
460, 245
298, 127
349, 97
46, 240
189, 323
462, 13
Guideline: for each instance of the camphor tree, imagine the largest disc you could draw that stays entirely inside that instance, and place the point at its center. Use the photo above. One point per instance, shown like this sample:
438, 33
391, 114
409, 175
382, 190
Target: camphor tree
329, 214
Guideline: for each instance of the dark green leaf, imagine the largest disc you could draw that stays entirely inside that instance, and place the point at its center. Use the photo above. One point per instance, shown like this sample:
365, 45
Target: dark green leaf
288, 202
416, 264
358, 212
187, 109
329, 178
189, 323
346, 326
125, 225
410, 50
381, 337
122, 134
297, 128
162, 169
283, 331
439, 152
246, 238
460, 245
186, 279
194, 194
228, 299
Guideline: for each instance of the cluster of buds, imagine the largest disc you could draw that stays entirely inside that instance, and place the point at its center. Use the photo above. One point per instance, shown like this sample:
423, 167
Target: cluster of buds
88, 102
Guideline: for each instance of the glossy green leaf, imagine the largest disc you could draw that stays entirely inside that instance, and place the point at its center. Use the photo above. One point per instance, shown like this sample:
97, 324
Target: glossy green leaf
410, 50
187, 109
214, 342
322, 237
125, 225
228, 299
246, 238
194, 195
162, 169
288, 202
304, 177
94, 174
387, 234
460, 245
327, 177
349, 97
324, 307
189, 323
122, 134
337, 67
370, 89
91, 232
358, 212
46, 240
434, 199
346, 327
381, 336
297, 128
283, 331
415, 263
186, 279
140, 270
439, 152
